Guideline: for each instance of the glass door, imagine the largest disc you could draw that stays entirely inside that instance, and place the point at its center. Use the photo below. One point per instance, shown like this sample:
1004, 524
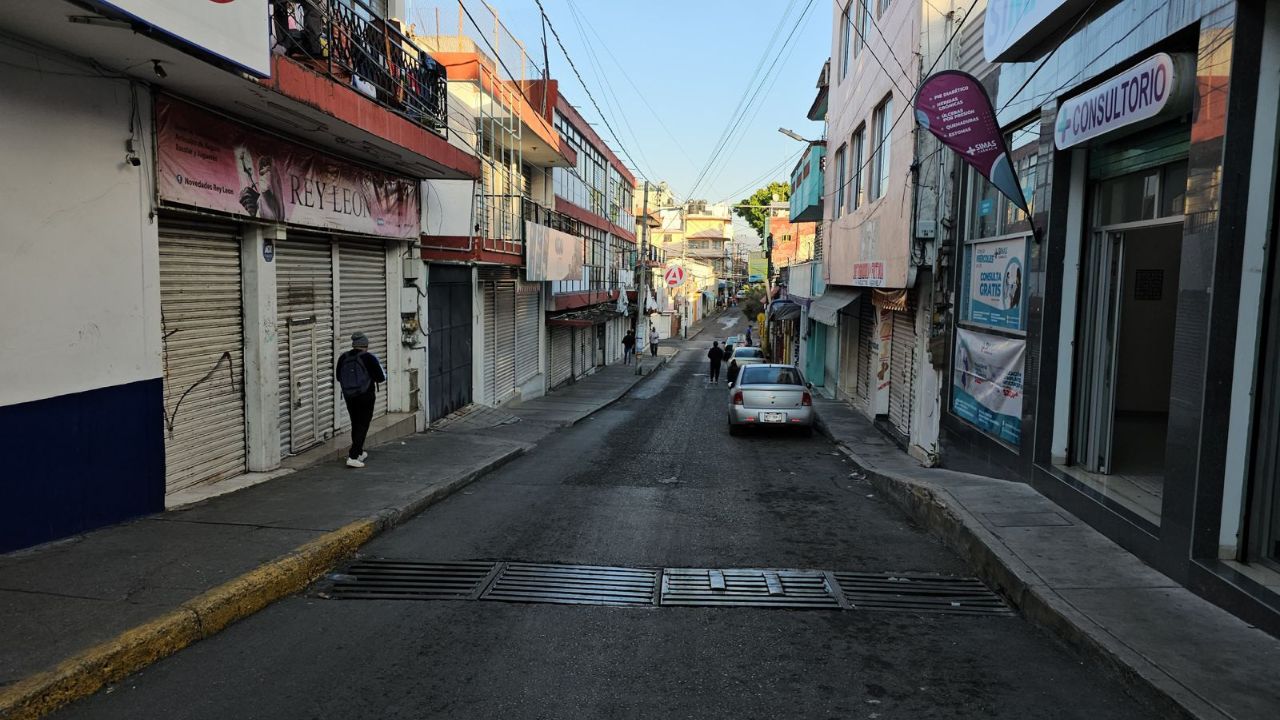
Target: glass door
1098, 339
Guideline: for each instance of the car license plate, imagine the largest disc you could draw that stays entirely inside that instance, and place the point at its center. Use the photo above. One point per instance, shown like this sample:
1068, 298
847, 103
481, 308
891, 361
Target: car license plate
773, 417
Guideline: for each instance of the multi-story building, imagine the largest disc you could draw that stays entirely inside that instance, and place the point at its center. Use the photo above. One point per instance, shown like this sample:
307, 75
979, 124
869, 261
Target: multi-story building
879, 206
819, 350
237, 185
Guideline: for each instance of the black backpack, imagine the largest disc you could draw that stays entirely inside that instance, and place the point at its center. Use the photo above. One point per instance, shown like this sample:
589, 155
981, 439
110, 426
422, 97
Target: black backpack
353, 375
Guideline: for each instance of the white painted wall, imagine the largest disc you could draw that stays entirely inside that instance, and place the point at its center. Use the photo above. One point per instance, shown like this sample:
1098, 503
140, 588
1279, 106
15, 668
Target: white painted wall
79, 256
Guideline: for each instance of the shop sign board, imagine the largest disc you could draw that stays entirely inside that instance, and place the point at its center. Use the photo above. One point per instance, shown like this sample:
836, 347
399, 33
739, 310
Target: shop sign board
868, 274
757, 267
997, 274
236, 31
986, 387
1140, 93
551, 254
1013, 28
206, 161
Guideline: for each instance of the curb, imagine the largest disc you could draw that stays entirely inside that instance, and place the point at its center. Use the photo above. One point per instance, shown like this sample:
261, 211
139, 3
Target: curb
210, 612
960, 531
632, 386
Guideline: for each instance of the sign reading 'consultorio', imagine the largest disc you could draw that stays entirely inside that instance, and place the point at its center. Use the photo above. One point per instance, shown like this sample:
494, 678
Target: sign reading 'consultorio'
1158, 85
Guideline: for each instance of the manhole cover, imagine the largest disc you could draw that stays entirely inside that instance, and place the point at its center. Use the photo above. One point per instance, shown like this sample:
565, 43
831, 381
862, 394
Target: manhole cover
573, 584
747, 588
388, 579
919, 593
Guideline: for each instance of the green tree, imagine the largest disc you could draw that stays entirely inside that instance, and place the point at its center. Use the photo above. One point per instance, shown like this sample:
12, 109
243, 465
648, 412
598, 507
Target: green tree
758, 217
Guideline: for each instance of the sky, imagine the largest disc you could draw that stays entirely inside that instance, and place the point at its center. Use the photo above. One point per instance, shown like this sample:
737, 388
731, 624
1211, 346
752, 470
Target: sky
668, 76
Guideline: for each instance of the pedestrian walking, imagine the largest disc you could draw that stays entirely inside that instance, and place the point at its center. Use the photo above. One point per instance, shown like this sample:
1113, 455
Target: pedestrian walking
359, 373
628, 347
653, 341
748, 336
716, 355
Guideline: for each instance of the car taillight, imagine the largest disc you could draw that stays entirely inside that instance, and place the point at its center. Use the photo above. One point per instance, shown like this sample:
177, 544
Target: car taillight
737, 398
806, 399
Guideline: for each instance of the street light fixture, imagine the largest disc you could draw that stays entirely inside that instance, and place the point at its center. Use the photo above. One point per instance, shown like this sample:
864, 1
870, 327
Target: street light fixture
795, 136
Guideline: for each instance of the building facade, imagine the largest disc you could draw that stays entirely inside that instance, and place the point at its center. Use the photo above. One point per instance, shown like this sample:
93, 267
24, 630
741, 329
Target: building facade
242, 205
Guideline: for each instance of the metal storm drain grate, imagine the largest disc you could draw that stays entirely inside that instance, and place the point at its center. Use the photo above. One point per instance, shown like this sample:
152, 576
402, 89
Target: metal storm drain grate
573, 585
388, 579
919, 593
747, 588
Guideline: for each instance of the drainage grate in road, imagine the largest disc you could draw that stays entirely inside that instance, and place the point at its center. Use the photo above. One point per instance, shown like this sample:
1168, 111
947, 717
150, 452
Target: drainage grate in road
389, 579
919, 593
747, 588
573, 584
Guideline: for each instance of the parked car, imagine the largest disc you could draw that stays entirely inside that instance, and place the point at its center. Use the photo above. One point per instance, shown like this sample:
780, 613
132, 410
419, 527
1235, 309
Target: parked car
770, 395
743, 356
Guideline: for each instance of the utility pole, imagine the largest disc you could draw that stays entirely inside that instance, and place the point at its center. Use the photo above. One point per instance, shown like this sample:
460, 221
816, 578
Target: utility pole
642, 286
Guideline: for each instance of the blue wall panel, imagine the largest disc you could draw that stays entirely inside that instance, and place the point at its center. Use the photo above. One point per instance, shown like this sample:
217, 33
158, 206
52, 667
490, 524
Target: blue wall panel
78, 462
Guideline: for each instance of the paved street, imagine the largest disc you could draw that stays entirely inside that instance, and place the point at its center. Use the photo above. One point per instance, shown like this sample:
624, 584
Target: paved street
654, 480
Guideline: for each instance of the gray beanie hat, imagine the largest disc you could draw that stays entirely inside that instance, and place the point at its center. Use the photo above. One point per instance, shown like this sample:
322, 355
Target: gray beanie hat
360, 340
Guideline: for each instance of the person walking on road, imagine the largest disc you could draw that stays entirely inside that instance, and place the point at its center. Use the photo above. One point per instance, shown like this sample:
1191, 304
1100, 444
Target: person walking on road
629, 347
359, 373
748, 343
653, 341
716, 355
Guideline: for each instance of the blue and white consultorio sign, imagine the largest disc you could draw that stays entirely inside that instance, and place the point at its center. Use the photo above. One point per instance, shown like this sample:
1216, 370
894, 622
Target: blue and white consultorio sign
1140, 93
997, 270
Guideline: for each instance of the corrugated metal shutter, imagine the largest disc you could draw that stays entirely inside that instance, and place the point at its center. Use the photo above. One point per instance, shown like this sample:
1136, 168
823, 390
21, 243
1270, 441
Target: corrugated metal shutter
866, 362
969, 57
561, 356
203, 354
902, 370
490, 342
505, 362
304, 292
528, 327
849, 327
362, 305
586, 337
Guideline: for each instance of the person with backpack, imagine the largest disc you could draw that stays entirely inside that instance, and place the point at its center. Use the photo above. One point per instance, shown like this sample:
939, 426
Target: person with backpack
359, 372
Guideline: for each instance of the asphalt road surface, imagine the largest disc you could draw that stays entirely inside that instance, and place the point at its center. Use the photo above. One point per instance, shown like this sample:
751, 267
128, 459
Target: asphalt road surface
653, 481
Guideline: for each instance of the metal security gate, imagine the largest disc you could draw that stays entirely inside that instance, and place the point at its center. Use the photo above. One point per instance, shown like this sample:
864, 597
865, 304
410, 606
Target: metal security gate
305, 345
867, 375
449, 344
505, 360
203, 354
528, 329
849, 328
362, 305
586, 339
902, 370
561, 364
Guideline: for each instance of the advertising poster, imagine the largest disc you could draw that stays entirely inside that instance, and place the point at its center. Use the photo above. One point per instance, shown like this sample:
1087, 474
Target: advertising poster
551, 254
757, 267
997, 271
987, 384
210, 162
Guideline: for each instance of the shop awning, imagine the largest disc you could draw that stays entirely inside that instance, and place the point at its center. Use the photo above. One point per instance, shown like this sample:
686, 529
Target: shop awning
825, 308
584, 318
781, 310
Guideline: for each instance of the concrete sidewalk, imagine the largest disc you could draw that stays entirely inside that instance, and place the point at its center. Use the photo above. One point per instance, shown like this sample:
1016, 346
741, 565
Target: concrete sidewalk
86, 611
1182, 653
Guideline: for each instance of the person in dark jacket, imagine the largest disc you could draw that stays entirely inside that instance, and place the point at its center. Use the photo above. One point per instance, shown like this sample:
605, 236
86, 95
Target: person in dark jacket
359, 373
628, 347
716, 355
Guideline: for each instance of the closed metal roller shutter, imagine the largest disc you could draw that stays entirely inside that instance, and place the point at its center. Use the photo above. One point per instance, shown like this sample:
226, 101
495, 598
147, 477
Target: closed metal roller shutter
362, 305
849, 328
203, 354
305, 350
585, 361
505, 362
490, 342
561, 342
528, 327
866, 361
902, 370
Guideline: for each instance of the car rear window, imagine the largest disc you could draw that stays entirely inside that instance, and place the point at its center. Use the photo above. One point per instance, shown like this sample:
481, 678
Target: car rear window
748, 352
752, 375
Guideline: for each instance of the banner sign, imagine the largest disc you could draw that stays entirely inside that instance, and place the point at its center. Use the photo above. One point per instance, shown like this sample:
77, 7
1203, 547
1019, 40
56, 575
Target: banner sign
213, 163
986, 388
868, 274
1139, 93
757, 267
996, 276
955, 107
551, 254
237, 31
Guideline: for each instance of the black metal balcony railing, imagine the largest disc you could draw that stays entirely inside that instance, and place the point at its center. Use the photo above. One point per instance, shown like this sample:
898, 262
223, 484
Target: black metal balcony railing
354, 45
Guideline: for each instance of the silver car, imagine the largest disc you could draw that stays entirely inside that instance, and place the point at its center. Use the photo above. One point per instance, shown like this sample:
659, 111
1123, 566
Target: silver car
770, 395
